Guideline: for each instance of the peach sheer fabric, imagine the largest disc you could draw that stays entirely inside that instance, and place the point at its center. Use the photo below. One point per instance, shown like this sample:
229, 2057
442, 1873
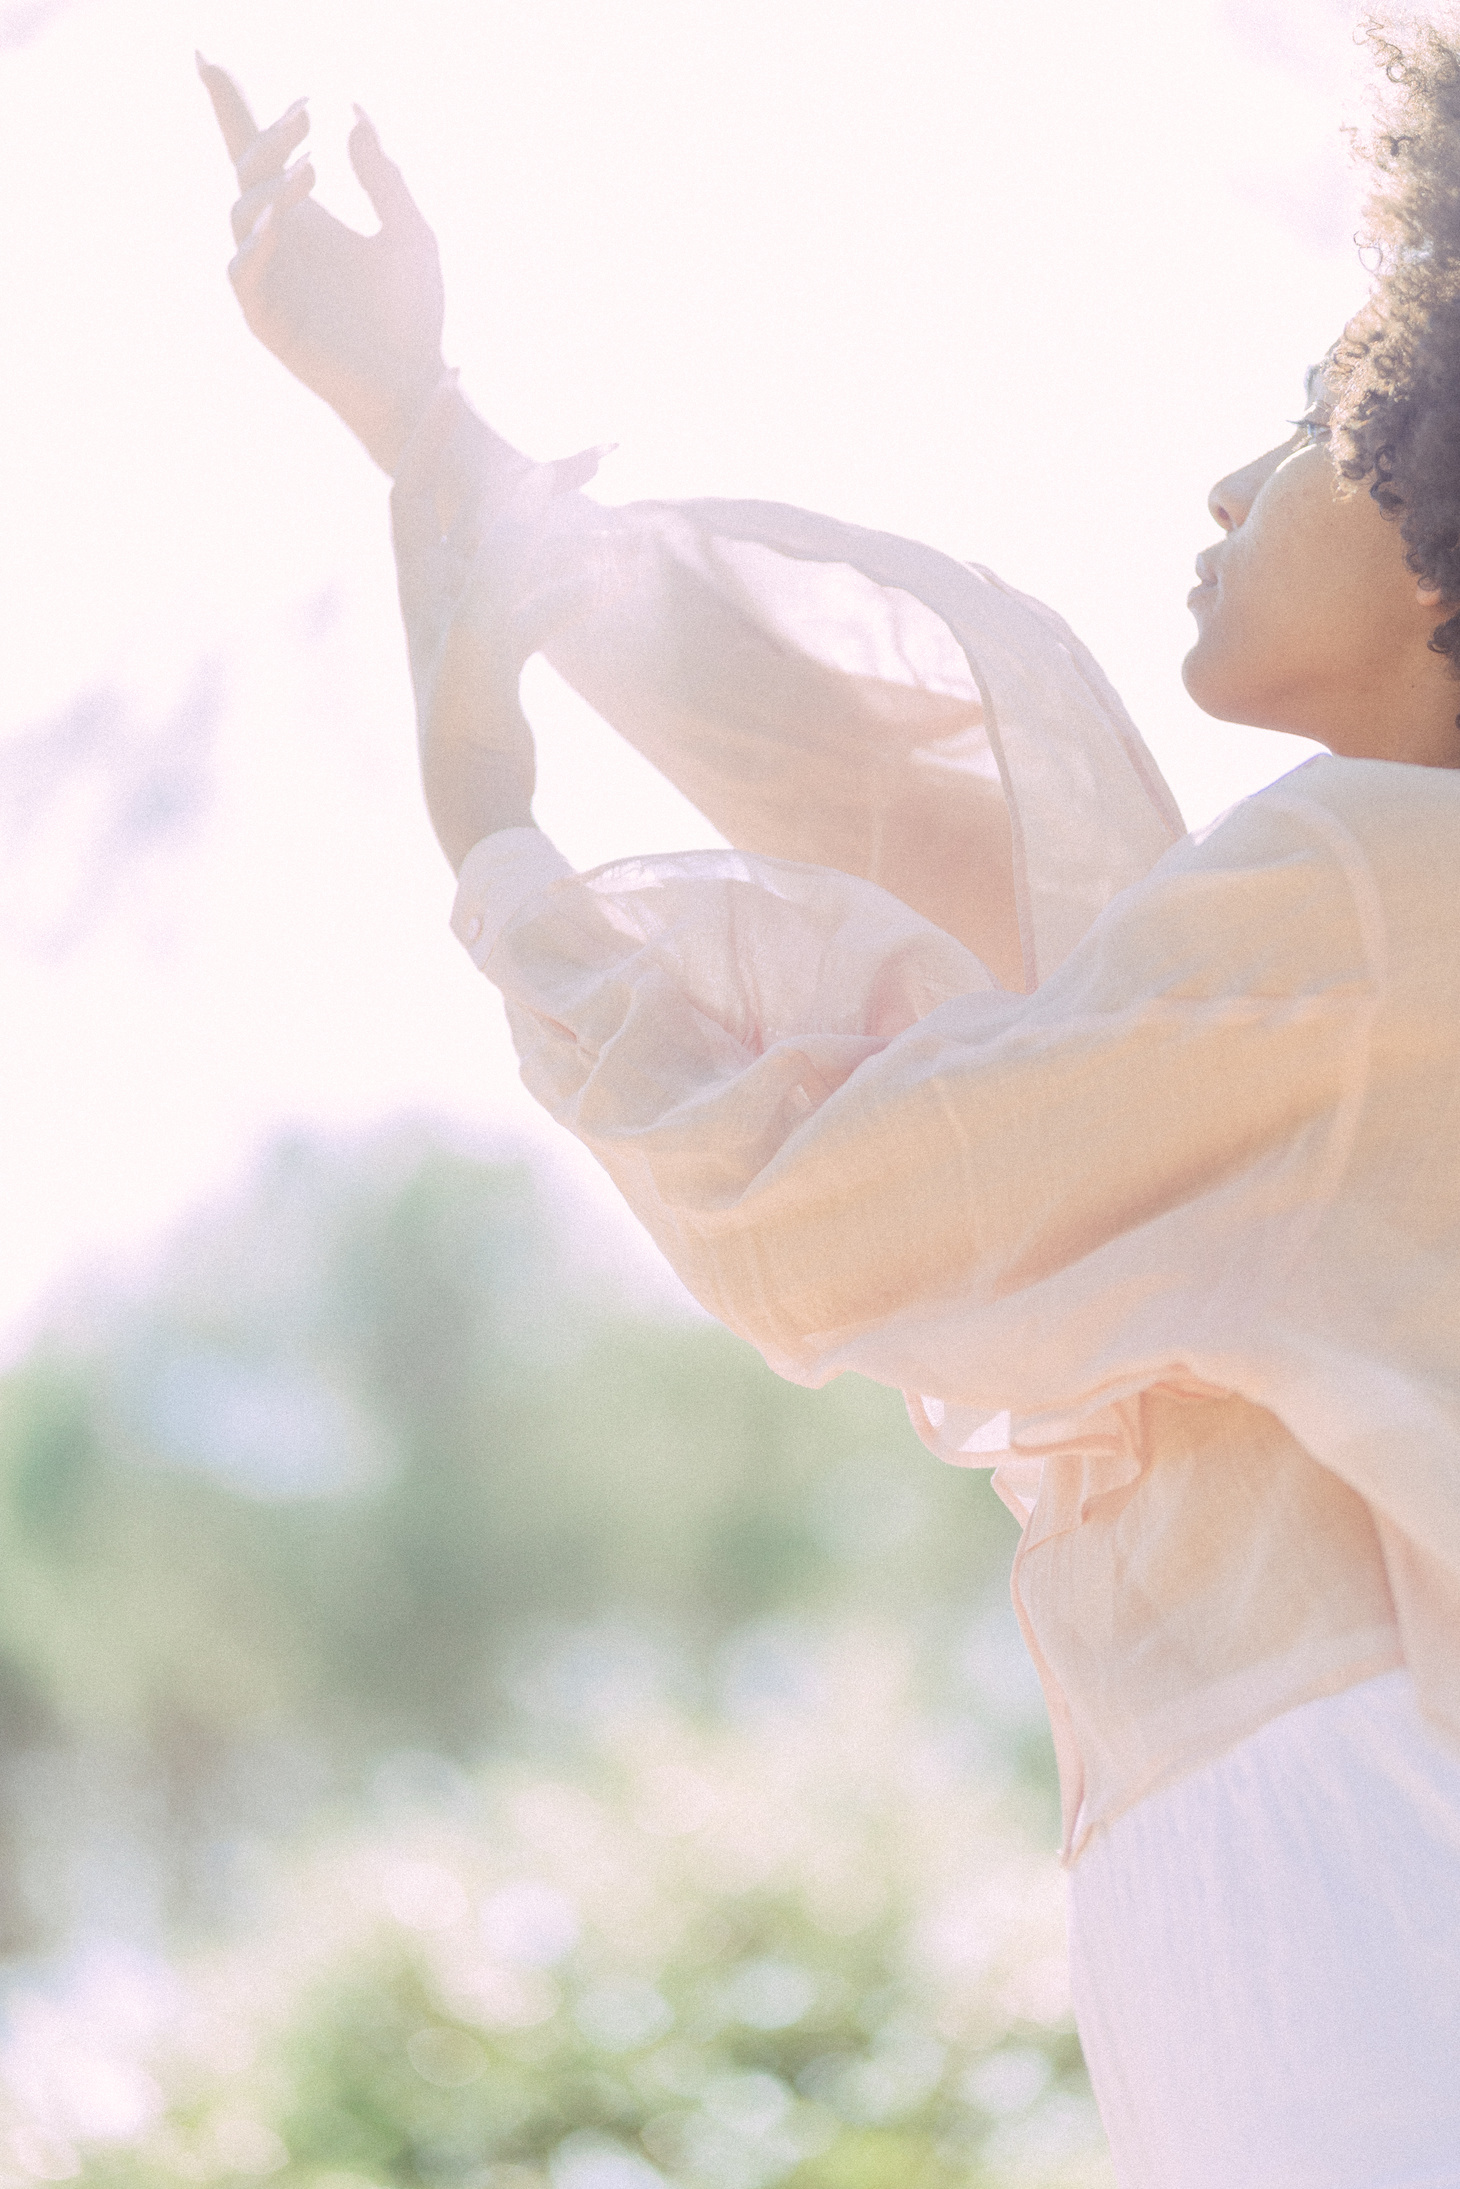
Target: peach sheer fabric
1163, 1222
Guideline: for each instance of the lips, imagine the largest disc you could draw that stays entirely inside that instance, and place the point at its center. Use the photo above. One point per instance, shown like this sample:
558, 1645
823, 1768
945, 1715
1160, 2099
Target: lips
1207, 576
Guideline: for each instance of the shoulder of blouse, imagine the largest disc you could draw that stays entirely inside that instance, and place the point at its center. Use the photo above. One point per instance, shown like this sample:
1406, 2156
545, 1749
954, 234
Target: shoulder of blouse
1391, 829
1390, 810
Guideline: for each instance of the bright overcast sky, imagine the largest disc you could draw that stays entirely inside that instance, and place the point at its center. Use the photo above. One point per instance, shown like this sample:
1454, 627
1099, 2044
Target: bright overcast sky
1017, 280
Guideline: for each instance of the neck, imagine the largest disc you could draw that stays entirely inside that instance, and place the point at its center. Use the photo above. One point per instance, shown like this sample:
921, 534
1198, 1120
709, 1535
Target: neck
1408, 715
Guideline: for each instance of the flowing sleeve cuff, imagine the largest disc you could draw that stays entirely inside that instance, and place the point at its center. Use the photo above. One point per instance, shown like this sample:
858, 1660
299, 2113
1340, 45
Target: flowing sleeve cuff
498, 877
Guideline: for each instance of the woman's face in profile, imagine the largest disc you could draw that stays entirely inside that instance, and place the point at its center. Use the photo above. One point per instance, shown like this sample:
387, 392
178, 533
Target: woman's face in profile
1307, 617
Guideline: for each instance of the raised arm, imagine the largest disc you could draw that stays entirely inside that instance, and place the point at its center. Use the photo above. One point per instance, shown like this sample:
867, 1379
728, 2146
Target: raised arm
810, 711
358, 320
823, 694
860, 1155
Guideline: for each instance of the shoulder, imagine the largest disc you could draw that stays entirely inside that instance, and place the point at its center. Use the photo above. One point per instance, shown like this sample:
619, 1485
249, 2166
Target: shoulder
1383, 815
1273, 898
1343, 861
1391, 828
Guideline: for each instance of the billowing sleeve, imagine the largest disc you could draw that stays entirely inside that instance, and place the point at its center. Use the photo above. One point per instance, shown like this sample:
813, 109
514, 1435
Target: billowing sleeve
861, 1154
824, 694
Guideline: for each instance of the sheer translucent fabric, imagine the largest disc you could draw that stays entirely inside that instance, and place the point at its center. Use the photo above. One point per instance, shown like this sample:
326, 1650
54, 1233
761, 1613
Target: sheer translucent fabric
1129, 1157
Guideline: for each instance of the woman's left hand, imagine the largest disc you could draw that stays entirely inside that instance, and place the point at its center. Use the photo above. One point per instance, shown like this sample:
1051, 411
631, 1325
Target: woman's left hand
357, 318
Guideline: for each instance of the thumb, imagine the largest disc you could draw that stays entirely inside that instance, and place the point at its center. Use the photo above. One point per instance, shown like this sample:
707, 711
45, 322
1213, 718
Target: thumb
381, 179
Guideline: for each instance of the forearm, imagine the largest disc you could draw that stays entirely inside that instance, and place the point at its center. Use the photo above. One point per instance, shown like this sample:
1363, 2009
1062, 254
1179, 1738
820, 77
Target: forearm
451, 453
455, 477
479, 784
859, 1154
689, 1019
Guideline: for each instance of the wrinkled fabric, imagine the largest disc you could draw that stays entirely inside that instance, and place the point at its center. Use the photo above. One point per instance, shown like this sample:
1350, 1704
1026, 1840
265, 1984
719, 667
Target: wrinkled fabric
1129, 1157
1186, 1573
1266, 1960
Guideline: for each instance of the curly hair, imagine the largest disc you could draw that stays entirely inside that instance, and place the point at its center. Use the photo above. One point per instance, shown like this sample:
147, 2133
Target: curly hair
1395, 372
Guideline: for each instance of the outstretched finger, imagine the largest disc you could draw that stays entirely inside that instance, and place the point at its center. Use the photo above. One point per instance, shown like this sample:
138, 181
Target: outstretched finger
279, 192
380, 178
272, 146
234, 119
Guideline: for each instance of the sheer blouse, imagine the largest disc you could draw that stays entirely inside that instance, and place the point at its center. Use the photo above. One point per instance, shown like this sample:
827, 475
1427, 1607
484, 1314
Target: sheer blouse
1129, 1156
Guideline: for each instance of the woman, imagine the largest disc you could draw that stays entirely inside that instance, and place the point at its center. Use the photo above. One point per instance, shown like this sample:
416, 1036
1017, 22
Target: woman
1130, 1156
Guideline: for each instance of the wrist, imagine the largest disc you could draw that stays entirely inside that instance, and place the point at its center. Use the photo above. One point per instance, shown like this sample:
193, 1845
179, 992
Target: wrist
454, 459
459, 834
387, 425
473, 792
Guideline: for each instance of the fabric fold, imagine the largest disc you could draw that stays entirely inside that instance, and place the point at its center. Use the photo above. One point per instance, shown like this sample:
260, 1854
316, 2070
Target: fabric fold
964, 1071
851, 699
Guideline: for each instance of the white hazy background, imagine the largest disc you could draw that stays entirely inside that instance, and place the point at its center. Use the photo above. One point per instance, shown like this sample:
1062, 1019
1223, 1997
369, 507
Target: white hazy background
1019, 281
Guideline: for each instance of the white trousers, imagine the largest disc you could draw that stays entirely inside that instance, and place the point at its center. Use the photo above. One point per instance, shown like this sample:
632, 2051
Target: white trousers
1266, 1960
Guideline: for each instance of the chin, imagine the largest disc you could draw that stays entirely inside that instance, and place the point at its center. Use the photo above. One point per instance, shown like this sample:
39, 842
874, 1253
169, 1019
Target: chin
1228, 698
1213, 693
1224, 695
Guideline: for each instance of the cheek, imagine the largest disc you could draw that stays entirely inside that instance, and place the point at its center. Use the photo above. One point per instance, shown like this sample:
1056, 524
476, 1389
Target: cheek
1305, 598
1289, 562
1257, 632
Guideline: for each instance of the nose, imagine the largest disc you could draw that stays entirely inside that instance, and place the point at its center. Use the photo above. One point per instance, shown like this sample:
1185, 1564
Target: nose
1232, 498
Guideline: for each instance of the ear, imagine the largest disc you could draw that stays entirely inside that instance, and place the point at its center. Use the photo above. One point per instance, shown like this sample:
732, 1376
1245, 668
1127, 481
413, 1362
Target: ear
1428, 596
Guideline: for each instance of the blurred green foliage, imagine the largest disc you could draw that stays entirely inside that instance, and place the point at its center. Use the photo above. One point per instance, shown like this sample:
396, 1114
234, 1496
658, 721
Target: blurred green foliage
798, 1944
363, 1432
369, 1564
